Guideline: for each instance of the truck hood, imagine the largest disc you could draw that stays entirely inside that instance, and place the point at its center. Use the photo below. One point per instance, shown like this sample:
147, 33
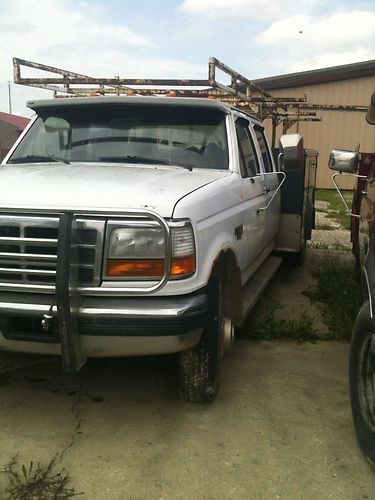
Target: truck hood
94, 185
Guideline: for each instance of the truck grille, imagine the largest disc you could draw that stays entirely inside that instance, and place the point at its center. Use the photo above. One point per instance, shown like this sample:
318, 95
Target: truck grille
28, 250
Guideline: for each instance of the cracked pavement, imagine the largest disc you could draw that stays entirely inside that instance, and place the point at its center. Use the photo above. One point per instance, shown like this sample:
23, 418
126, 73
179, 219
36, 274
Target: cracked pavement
280, 428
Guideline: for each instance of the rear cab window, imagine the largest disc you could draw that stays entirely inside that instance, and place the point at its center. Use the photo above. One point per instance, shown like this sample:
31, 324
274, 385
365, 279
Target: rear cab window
263, 147
249, 164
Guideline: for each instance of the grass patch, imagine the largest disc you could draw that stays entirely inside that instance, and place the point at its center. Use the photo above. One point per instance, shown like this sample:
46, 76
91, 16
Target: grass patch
337, 245
319, 245
36, 482
324, 227
336, 209
266, 325
338, 290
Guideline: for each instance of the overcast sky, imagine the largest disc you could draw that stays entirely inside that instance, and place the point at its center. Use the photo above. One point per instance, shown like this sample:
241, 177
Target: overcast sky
175, 38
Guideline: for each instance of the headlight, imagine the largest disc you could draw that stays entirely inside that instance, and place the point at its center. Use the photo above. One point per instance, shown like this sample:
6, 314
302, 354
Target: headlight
136, 242
137, 251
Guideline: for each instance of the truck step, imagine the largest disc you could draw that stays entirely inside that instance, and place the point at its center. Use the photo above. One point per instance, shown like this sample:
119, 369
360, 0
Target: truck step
257, 283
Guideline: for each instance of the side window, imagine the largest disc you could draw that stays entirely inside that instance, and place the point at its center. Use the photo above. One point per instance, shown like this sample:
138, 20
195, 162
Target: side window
263, 148
248, 158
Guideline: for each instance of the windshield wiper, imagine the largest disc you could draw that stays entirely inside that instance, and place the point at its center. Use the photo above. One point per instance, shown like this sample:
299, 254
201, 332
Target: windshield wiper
37, 159
141, 159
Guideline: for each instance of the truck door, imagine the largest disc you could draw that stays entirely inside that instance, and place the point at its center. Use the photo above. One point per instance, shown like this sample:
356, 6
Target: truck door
271, 182
253, 197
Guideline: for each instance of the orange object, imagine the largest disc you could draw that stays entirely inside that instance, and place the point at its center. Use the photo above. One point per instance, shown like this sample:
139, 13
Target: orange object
149, 268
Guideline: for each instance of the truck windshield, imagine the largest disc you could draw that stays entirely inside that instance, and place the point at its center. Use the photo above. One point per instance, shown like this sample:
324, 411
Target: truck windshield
189, 137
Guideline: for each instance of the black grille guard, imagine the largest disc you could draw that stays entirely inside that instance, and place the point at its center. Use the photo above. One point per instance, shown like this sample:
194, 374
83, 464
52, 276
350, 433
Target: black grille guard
67, 293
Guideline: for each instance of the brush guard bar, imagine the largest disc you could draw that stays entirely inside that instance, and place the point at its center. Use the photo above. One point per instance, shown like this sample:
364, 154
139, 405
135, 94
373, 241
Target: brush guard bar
66, 299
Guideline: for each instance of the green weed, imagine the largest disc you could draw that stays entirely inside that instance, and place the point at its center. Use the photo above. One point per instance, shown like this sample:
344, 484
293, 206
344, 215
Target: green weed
36, 481
337, 245
324, 227
319, 245
266, 325
338, 290
336, 209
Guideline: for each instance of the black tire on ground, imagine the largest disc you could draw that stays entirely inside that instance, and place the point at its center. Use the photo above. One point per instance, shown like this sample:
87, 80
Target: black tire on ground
362, 382
199, 368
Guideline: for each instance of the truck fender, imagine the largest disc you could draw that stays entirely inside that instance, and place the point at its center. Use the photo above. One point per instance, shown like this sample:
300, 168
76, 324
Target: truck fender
221, 258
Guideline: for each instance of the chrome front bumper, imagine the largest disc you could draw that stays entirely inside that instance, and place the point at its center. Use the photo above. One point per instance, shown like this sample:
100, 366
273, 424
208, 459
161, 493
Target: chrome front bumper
107, 326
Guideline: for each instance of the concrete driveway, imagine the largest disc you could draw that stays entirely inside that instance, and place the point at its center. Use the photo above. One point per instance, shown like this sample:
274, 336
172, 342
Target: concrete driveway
280, 428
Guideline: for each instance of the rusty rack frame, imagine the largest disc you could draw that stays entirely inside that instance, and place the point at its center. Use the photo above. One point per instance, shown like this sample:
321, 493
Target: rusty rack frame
241, 92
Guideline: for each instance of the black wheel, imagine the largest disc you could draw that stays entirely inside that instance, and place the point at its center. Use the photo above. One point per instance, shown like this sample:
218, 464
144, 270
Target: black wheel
362, 382
199, 368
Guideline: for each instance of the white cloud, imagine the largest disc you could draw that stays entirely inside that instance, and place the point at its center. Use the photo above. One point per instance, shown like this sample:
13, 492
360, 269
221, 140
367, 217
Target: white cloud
331, 59
345, 29
301, 42
75, 36
254, 9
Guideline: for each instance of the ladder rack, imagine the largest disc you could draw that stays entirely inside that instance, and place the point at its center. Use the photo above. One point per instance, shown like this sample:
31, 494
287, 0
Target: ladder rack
241, 92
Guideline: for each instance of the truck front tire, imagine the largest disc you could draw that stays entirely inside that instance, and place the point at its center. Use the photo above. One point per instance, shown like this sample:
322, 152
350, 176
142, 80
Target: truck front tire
199, 368
362, 382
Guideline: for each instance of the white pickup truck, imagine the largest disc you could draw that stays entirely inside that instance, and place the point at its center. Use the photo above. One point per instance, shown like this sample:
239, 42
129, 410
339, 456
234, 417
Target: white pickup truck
144, 225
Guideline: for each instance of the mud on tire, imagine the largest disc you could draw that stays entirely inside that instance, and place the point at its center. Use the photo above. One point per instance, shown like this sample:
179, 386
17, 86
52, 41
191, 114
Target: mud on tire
199, 368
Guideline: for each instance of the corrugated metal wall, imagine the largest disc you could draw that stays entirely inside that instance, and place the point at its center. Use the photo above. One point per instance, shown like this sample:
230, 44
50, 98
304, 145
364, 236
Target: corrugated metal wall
338, 129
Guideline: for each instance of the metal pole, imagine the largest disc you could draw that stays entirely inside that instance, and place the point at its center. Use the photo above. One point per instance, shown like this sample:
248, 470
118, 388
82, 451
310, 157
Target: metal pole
274, 125
9, 99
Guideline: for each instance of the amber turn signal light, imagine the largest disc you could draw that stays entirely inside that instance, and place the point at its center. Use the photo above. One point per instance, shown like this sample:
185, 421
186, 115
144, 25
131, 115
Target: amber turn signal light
149, 268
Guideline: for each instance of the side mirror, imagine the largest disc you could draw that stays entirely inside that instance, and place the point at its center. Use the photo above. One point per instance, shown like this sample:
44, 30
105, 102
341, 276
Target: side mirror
344, 161
292, 154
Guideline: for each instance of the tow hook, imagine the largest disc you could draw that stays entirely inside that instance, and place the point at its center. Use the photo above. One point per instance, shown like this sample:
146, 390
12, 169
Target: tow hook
47, 320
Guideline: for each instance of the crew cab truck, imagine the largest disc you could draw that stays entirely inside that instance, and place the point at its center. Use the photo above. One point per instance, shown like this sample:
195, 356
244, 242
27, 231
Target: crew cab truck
139, 226
362, 348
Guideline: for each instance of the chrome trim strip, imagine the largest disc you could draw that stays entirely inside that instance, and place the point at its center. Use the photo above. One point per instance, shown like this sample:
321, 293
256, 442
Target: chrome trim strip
24, 287
120, 308
48, 242
138, 308
41, 272
103, 346
12, 308
29, 256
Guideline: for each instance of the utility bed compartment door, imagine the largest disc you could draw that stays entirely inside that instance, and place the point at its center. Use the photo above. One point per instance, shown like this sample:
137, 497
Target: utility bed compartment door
297, 194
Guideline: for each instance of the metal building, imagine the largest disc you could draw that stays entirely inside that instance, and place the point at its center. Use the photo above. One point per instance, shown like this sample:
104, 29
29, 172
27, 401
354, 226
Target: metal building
10, 128
349, 86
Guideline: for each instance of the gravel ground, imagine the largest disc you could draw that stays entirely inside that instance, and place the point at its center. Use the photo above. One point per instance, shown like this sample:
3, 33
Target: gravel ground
334, 238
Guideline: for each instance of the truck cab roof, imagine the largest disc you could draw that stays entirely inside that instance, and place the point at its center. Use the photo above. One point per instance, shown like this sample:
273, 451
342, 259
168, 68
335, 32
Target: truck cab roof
196, 102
